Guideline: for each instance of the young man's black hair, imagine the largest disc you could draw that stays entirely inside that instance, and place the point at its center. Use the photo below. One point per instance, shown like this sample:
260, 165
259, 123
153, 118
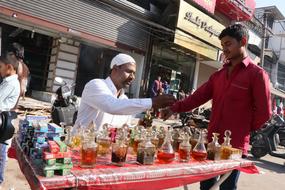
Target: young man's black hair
10, 61
237, 31
17, 49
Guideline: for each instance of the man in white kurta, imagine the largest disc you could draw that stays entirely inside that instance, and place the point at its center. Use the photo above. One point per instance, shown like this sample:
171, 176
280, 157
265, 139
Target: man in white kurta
103, 100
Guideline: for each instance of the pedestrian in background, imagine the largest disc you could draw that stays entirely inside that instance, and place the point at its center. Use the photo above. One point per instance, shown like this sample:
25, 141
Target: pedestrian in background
17, 51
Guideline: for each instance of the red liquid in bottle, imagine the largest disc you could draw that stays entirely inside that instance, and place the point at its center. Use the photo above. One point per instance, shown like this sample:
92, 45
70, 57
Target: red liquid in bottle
199, 156
184, 155
165, 158
88, 157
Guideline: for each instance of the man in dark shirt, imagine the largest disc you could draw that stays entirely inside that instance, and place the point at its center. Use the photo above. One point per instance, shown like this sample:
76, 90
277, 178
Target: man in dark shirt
240, 95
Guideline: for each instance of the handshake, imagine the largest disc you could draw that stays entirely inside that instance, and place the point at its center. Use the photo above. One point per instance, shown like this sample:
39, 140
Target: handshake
164, 102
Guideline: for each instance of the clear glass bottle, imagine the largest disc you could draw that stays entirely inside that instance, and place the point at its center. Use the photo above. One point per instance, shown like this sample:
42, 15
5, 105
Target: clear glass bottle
177, 139
214, 148
195, 137
166, 153
161, 136
88, 150
76, 136
68, 137
104, 141
226, 146
138, 139
146, 151
199, 152
120, 149
184, 149
154, 137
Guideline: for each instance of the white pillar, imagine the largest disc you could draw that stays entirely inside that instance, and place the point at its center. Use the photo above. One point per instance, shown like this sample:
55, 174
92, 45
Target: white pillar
196, 73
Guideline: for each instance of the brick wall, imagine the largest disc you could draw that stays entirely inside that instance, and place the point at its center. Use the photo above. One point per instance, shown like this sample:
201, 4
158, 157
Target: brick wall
63, 62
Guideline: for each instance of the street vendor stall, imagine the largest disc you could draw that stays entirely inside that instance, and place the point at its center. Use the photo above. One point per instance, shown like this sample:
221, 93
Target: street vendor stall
130, 175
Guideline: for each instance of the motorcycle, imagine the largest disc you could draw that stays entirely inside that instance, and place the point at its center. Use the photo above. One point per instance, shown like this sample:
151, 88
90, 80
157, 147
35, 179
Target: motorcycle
64, 104
266, 140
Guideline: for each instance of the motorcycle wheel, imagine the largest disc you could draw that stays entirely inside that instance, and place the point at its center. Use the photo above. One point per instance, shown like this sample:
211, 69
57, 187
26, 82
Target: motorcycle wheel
258, 152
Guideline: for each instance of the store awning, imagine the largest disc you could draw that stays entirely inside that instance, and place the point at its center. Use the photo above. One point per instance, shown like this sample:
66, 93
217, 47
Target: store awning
276, 92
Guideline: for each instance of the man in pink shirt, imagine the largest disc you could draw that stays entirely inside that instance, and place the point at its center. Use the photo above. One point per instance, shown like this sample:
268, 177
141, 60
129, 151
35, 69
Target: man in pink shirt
240, 94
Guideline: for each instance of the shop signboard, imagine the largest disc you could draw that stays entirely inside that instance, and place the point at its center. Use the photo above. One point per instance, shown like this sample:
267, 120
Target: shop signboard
198, 24
239, 10
209, 5
195, 45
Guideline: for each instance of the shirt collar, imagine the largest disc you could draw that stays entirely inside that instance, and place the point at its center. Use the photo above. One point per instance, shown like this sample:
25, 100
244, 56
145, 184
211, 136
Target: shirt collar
10, 78
112, 86
245, 62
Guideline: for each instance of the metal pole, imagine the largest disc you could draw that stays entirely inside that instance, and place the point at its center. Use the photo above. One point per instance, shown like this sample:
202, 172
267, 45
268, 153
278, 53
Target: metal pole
263, 40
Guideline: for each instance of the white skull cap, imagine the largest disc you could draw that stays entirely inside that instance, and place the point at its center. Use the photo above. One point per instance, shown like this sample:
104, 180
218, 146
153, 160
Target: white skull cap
121, 59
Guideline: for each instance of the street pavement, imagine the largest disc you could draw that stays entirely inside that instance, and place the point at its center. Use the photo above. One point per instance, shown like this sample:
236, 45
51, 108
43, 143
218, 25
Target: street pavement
271, 178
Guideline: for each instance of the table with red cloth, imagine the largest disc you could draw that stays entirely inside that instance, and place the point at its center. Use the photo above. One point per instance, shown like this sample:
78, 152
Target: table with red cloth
131, 175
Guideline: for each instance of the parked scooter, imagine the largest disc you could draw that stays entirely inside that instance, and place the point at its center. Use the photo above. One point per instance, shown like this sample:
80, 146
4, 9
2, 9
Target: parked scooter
266, 140
65, 104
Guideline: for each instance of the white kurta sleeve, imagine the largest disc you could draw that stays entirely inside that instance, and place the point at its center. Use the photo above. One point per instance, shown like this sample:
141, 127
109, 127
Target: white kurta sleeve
97, 95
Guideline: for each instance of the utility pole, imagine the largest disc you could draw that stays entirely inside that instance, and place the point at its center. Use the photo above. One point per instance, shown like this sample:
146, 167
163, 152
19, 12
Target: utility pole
264, 35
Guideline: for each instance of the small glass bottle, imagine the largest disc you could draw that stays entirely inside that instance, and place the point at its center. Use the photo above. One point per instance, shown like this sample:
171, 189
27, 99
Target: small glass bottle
166, 153
214, 148
226, 146
104, 141
68, 138
154, 138
177, 139
199, 152
161, 136
138, 139
194, 139
146, 151
76, 136
120, 149
88, 151
185, 149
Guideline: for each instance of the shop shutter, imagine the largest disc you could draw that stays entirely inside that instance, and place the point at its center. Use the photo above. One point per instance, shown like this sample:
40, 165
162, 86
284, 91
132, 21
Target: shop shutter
86, 16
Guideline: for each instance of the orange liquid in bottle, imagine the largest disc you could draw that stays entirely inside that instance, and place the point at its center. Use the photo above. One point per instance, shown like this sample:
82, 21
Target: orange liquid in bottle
88, 157
165, 158
199, 156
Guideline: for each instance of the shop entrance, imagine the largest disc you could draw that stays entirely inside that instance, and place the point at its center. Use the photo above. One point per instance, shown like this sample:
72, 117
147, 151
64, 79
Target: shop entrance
37, 52
174, 68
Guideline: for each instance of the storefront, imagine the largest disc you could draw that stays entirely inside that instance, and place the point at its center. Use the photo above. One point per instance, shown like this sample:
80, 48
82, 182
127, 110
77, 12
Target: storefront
37, 52
73, 28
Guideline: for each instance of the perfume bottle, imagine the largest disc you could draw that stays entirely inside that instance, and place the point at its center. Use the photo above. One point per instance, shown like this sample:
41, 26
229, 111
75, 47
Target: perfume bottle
166, 153
194, 138
184, 149
76, 136
88, 150
154, 137
104, 141
226, 146
161, 136
177, 139
199, 152
146, 151
120, 148
68, 138
214, 148
138, 139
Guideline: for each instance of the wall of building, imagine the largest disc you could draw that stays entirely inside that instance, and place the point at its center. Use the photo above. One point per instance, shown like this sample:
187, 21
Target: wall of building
63, 62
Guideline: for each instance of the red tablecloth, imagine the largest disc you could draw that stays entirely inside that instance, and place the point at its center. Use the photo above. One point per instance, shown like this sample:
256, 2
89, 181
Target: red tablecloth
131, 176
